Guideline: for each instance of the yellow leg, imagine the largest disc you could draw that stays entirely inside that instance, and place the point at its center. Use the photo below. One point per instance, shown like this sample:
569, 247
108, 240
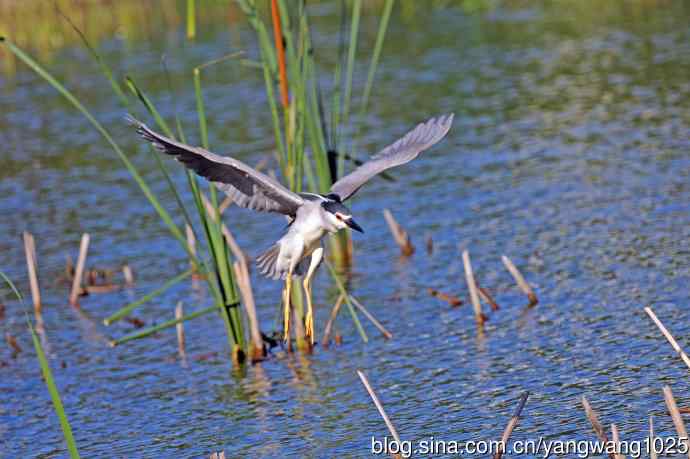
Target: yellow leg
286, 302
316, 257
309, 321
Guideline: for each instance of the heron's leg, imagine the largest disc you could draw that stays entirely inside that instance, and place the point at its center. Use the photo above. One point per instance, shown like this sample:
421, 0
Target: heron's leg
316, 257
286, 301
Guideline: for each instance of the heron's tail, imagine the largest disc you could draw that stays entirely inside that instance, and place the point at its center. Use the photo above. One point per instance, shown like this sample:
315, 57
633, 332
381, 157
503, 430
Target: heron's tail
267, 262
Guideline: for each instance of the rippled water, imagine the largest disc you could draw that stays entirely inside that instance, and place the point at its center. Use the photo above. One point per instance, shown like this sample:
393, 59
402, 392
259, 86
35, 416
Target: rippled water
569, 153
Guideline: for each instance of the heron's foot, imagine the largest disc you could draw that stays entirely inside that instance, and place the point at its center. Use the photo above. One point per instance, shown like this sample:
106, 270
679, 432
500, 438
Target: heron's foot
309, 326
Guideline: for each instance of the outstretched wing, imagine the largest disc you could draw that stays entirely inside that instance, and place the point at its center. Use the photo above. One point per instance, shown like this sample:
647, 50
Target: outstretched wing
246, 186
402, 151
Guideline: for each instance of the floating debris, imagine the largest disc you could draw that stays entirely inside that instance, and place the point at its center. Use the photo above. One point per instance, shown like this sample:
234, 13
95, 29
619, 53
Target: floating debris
454, 301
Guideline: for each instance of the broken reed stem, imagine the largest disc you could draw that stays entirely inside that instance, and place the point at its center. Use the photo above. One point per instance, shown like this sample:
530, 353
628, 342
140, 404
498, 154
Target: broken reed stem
32, 267
596, 425
675, 414
615, 437
325, 342
129, 276
386, 334
79, 272
379, 406
472, 286
520, 280
511, 425
256, 353
669, 337
399, 234
220, 455
487, 298
652, 450
179, 314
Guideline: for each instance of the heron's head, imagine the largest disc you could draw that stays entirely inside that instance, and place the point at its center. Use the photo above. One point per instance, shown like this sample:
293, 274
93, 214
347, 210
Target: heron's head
340, 216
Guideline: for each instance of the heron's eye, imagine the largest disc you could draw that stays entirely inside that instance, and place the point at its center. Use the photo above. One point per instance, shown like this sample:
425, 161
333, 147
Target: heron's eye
339, 217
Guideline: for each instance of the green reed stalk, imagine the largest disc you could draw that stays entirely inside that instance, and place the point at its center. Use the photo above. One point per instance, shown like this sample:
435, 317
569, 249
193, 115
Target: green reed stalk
55, 396
380, 36
191, 19
58, 407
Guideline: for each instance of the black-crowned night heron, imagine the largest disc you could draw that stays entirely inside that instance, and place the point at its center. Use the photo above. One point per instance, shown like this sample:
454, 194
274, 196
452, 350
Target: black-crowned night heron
299, 251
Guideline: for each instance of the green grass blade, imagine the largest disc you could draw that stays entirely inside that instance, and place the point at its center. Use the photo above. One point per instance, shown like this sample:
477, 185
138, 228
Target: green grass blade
381, 34
164, 215
352, 50
146, 298
167, 324
12, 286
54, 396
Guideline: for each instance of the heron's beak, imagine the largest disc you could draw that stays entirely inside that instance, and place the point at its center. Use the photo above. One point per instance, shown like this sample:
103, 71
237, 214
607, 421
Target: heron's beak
353, 224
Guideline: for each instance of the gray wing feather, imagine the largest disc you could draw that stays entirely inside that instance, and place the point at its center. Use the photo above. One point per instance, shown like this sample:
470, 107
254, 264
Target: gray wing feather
246, 186
404, 150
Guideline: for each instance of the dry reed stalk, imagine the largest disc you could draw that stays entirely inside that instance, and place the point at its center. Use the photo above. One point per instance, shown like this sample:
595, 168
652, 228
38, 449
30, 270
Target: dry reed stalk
399, 234
652, 450
450, 299
669, 337
487, 298
379, 406
429, 245
32, 266
179, 314
615, 437
191, 242
326, 341
256, 352
386, 334
78, 273
675, 414
596, 425
520, 280
220, 455
223, 206
472, 286
128, 274
511, 425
